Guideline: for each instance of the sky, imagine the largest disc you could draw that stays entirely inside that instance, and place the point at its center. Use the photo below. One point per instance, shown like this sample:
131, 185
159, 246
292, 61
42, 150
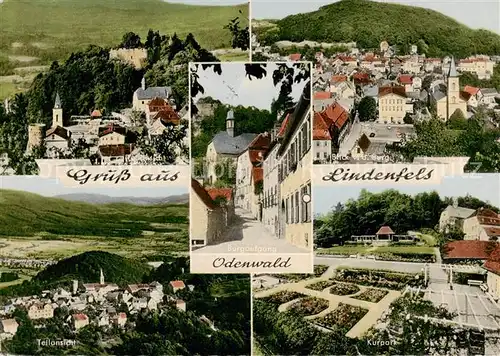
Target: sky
50, 187
485, 187
473, 13
233, 87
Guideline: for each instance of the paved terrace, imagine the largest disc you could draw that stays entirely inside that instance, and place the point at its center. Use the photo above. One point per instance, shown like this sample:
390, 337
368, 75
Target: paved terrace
375, 310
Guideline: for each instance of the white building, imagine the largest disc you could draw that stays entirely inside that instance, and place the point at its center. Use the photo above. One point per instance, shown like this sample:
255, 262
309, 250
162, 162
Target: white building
271, 188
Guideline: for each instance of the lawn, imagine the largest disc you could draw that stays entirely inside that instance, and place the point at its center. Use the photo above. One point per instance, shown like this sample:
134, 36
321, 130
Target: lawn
50, 30
9, 89
389, 253
228, 288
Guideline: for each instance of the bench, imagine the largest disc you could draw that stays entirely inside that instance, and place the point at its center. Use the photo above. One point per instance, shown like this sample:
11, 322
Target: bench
473, 282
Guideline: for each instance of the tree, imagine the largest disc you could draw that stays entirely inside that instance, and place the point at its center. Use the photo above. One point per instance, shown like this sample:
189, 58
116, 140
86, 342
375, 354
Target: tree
367, 109
408, 119
165, 149
240, 36
131, 40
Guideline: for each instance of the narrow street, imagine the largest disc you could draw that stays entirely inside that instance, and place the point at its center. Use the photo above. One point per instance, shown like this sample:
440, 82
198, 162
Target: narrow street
247, 235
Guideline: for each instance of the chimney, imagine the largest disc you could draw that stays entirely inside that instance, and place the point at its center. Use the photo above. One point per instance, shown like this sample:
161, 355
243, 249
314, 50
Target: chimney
143, 83
230, 123
455, 202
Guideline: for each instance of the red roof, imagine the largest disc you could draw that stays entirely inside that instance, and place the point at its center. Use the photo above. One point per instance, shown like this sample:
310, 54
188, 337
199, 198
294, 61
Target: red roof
346, 58
493, 263
339, 78
96, 113
262, 142
257, 174
217, 192
361, 78
471, 90
492, 231
385, 230
335, 114
256, 156
295, 57
321, 95
177, 284
320, 128
115, 150
167, 116
397, 90
284, 125
80, 317
203, 194
158, 102
405, 79
466, 249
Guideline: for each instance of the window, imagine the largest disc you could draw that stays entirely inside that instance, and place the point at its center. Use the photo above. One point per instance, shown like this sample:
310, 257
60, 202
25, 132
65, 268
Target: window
306, 207
324, 154
325, 143
300, 145
291, 210
297, 208
317, 154
317, 143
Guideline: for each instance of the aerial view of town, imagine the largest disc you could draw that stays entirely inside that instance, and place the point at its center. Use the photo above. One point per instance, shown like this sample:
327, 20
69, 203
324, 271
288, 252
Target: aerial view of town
400, 272
251, 147
394, 83
100, 271
111, 91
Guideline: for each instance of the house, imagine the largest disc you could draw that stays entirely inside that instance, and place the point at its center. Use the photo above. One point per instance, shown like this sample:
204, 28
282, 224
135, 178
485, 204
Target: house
177, 285
133, 56
271, 186
336, 119
486, 96
209, 217
226, 194
226, 147
295, 174
449, 98
155, 106
411, 65
474, 95
343, 89
103, 319
143, 96
249, 175
465, 250
431, 64
39, 310
322, 140
80, 320
492, 267
367, 148
385, 233
119, 319
483, 225
482, 67
406, 81
393, 104
9, 326
454, 216
114, 135
162, 119
115, 154
180, 304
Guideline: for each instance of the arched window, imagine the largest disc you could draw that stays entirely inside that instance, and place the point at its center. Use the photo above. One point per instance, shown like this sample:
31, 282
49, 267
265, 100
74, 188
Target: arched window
453, 86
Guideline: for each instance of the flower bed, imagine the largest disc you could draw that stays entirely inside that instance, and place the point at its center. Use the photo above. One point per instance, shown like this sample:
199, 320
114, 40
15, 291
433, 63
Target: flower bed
309, 306
378, 278
295, 277
372, 295
320, 285
344, 288
283, 297
344, 317
406, 257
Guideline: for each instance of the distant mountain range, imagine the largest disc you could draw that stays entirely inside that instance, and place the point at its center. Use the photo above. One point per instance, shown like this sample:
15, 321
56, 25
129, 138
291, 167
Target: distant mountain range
106, 199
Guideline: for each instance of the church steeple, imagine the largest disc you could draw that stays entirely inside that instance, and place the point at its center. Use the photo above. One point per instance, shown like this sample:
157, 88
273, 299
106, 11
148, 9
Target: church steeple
57, 112
101, 279
230, 123
453, 68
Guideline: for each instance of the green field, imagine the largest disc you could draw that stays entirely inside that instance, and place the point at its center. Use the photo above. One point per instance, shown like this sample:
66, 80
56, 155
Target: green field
33, 226
51, 29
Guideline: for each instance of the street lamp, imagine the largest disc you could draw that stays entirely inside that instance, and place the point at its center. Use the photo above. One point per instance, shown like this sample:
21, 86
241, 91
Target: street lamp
306, 198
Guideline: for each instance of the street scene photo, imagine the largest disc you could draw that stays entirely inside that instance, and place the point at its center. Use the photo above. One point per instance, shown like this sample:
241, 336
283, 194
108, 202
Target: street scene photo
251, 158
90, 271
394, 81
111, 91
413, 271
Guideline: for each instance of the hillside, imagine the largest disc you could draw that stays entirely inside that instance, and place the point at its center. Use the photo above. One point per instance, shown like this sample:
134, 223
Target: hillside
28, 214
368, 23
48, 29
106, 199
86, 268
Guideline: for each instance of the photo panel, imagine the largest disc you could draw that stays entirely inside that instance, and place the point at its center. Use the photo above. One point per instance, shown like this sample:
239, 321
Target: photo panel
251, 164
397, 270
78, 94
394, 93
94, 270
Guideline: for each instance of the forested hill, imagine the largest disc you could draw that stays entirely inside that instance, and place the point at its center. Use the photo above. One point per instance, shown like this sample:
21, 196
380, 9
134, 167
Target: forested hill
368, 23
